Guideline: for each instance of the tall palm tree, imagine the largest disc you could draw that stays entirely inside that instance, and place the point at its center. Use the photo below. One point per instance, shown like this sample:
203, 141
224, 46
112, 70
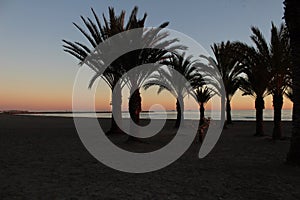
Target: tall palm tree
292, 16
272, 70
97, 33
257, 68
230, 71
165, 80
281, 73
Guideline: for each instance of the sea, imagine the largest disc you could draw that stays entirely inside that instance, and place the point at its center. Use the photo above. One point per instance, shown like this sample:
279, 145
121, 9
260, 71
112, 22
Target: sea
239, 115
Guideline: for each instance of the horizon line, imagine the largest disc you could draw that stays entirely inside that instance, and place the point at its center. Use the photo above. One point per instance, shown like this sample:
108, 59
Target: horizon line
109, 111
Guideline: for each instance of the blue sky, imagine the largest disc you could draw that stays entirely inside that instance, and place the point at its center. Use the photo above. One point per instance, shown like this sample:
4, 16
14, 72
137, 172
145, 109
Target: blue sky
31, 32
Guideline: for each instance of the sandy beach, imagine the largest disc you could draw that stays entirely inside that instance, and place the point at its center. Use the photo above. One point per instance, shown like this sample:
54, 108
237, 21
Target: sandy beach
43, 158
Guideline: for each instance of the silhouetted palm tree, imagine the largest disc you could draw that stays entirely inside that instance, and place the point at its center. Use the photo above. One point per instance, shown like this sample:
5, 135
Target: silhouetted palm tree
230, 70
292, 16
202, 95
212, 78
257, 66
272, 69
138, 79
165, 79
279, 55
97, 33
160, 48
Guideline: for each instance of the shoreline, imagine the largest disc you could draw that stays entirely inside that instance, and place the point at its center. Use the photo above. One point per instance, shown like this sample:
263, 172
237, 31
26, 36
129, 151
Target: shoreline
240, 115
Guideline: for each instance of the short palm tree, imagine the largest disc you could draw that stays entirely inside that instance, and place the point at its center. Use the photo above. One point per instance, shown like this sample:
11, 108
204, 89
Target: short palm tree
138, 79
165, 79
160, 48
212, 78
291, 14
202, 95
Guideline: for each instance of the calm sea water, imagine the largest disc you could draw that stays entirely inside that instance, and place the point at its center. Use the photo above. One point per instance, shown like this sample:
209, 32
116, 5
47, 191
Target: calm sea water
243, 115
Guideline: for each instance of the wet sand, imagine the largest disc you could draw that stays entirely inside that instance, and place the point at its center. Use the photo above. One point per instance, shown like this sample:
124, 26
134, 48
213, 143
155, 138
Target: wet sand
43, 158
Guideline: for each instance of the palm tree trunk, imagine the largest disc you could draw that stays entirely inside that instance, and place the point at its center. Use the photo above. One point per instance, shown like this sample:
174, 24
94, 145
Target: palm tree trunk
259, 106
228, 112
277, 103
292, 16
202, 110
223, 110
116, 108
179, 110
135, 105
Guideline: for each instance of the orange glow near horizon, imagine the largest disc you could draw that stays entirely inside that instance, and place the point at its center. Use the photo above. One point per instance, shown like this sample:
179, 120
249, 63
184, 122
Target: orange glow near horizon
240, 102
61, 99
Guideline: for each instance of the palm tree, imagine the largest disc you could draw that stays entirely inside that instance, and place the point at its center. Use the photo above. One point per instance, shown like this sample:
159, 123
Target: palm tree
165, 79
280, 71
255, 62
137, 79
160, 46
211, 77
230, 71
97, 34
202, 94
272, 70
292, 16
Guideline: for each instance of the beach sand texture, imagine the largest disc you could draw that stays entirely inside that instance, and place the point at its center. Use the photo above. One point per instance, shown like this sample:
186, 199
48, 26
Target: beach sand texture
43, 158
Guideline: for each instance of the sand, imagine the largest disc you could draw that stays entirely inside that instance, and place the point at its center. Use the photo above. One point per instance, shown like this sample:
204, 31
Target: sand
43, 158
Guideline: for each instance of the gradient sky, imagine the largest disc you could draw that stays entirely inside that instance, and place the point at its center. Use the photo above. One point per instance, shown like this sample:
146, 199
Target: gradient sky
37, 75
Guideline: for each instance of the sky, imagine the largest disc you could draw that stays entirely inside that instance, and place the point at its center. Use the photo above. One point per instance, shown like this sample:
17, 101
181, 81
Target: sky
37, 75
